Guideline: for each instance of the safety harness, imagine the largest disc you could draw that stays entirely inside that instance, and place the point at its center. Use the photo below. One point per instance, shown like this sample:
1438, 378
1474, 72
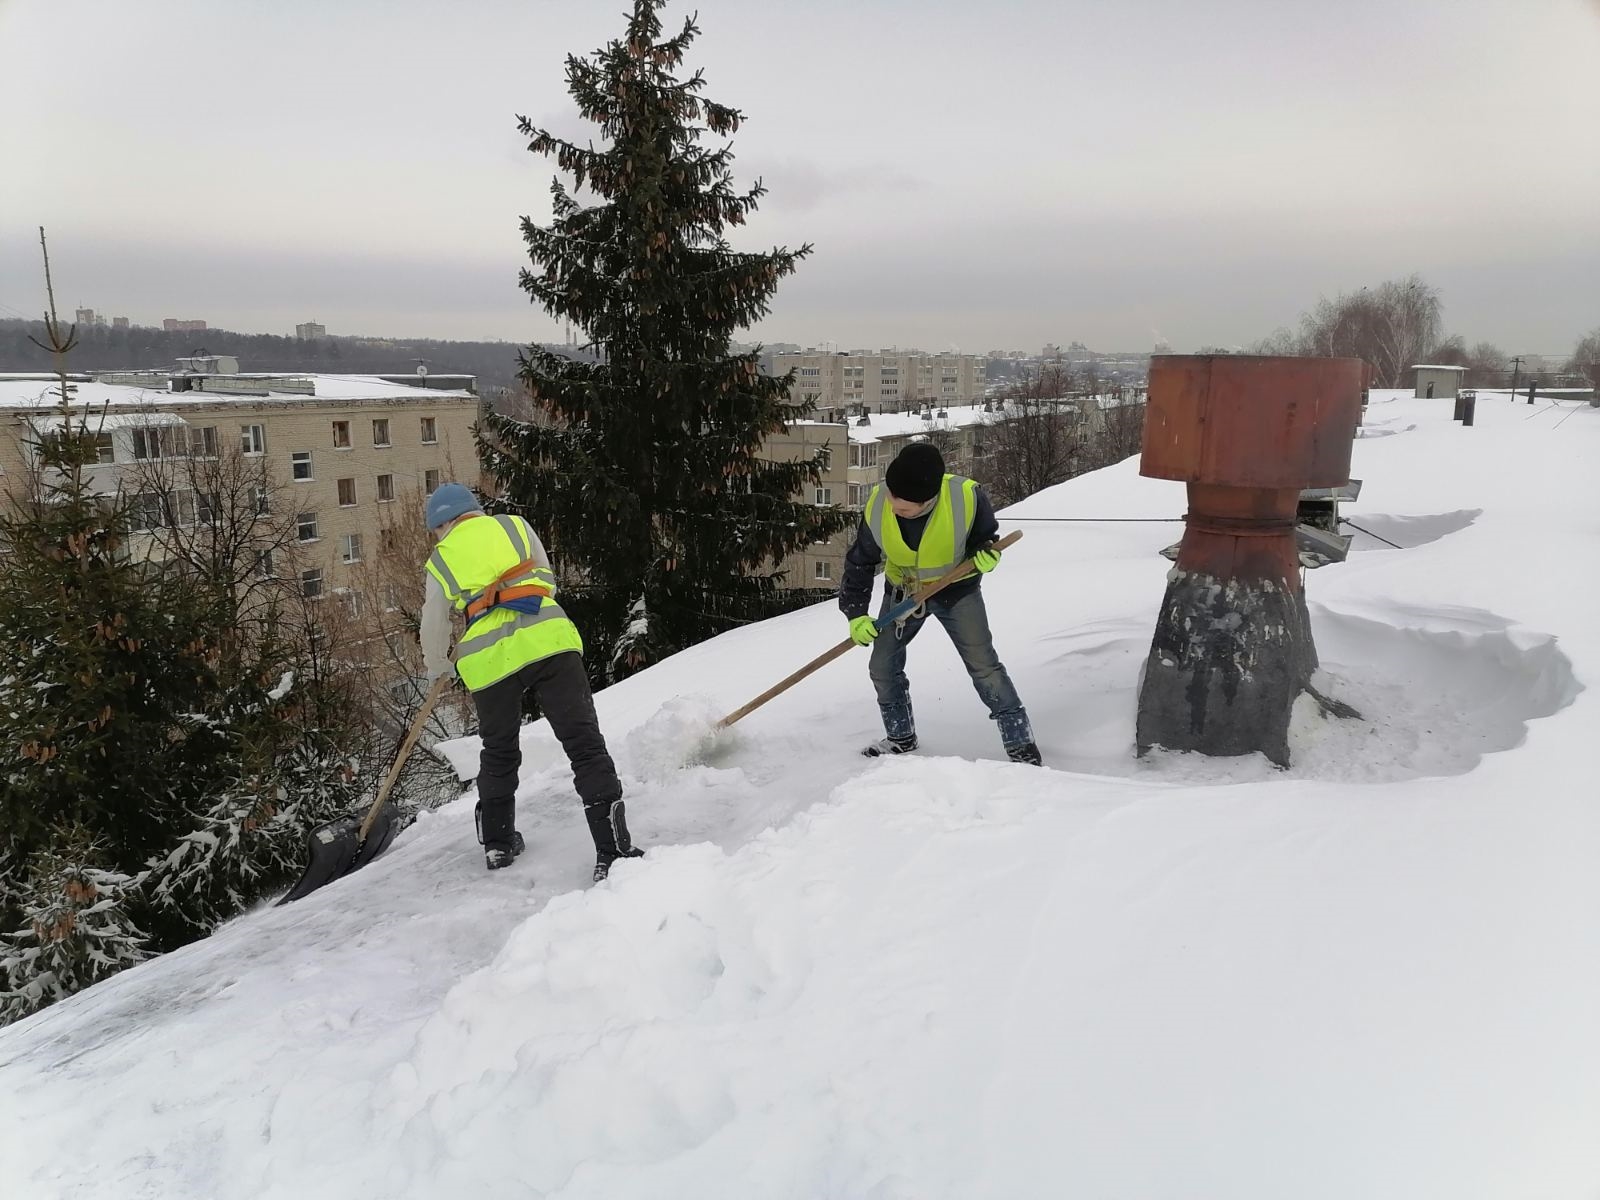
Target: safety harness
498, 593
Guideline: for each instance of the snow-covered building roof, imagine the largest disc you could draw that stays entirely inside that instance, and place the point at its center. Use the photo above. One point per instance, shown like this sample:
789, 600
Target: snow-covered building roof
949, 976
1435, 367
909, 424
881, 426
143, 389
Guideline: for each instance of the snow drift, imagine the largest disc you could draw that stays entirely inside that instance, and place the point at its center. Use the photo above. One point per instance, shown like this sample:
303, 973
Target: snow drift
1374, 974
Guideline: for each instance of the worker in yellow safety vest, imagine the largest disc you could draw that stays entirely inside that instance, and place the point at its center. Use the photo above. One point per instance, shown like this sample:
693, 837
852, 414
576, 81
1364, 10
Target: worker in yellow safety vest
919, 524
493, 573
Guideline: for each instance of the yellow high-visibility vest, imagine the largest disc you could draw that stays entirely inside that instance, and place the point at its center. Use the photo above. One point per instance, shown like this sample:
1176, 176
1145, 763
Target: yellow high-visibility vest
503, 640
944, 537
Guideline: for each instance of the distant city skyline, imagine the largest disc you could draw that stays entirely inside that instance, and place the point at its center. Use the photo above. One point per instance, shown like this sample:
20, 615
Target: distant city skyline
972, 177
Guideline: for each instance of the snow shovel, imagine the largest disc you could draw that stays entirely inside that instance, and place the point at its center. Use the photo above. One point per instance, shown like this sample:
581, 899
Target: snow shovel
348, 843
899, 611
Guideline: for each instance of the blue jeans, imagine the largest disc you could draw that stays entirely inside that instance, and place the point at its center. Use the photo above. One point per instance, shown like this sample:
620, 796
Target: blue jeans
967, 622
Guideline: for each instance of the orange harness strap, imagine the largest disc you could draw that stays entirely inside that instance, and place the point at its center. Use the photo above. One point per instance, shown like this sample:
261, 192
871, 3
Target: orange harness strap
495, 593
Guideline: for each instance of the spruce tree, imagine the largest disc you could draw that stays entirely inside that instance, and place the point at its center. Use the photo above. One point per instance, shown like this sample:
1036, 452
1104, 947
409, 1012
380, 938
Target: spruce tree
77, 927
643, 473
105, 670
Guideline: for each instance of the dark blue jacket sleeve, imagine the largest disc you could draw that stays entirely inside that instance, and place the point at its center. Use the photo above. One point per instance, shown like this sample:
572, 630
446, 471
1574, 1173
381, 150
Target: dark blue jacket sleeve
985, 526
860, 565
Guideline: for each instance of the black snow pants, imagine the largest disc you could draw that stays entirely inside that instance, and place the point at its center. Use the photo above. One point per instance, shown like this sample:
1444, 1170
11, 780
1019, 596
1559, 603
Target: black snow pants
561, 687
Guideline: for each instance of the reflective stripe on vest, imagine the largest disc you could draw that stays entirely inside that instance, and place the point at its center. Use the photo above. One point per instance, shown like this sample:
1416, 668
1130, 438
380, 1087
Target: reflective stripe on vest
501, 640
944, 536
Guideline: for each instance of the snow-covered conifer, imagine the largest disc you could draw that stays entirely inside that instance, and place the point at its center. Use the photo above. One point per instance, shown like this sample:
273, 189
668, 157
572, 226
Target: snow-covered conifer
645, 474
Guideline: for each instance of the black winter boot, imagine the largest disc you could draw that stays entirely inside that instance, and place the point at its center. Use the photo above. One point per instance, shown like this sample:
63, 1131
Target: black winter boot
1027, 752
608, 825
890, 745
495, 859
501, 843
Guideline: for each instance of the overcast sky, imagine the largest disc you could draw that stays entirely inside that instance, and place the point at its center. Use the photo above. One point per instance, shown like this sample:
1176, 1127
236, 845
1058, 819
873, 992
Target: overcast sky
974, 174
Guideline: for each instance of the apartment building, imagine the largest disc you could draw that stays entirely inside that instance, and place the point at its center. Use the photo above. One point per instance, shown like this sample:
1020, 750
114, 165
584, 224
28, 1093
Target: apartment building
960, 432
821, 564
341, 453
842, 385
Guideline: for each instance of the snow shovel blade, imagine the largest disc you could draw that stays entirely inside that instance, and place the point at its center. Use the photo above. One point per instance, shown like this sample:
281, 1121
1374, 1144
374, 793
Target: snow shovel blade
385, 826
333, 846
336, 849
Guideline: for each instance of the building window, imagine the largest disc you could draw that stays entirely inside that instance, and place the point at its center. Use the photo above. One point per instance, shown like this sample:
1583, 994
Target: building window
252, 439
352, 603
154, 441
889, 391
203, 442
430, 430
300, 465
104, 451
430, 481
889, 371
341, 435
264, 565
347, 493
864, 454
385, 488
388, 540
824, 495
822, 570
305, 526
391, 597
810, 371
350, 548
199, 508
380, 431
146, 512
263, 502
856, 493
311, 583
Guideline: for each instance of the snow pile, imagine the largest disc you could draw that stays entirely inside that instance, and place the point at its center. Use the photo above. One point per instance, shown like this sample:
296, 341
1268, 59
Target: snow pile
947, 976
684, 731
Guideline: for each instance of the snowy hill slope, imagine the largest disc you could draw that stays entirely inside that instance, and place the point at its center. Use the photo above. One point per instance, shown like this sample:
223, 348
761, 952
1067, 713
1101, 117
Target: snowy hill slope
1373, 975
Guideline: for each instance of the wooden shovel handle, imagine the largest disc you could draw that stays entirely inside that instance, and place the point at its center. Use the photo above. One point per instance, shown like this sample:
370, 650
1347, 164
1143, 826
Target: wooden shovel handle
822, 660
412, 734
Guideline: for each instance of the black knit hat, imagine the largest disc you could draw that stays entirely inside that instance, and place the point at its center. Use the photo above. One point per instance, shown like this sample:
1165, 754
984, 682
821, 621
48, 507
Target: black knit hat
916, 473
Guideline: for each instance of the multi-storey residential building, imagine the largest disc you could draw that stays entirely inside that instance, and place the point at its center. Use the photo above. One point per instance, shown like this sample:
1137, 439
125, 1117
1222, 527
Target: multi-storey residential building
821, 564
843, 385
340, 453
961, 434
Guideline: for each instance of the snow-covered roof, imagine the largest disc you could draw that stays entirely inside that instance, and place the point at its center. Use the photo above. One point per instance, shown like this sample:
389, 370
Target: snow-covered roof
21, 390
1435, 367
946, 975
908, 424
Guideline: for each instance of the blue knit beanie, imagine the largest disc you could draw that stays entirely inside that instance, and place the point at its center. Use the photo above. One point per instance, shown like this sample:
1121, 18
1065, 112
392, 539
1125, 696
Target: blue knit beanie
449, 501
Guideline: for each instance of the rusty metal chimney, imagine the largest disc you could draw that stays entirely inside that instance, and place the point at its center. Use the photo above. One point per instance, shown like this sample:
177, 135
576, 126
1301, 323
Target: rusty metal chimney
1232, 647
